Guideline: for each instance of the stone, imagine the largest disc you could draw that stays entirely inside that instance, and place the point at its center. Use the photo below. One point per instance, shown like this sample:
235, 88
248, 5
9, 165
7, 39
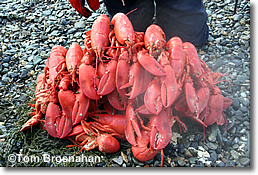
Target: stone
235, 155
188, 153
79, 25
211, 146
24, 73
235, 104
245, 161
118, 160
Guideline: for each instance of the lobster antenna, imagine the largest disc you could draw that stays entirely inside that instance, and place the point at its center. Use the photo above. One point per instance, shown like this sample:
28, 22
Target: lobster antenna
131, 11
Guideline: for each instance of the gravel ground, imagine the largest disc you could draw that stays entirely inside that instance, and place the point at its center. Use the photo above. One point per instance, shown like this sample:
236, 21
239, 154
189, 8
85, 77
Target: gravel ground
29, 29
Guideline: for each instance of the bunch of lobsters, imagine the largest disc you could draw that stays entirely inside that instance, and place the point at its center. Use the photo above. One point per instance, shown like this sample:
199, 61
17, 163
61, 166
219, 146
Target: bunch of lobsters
125, 85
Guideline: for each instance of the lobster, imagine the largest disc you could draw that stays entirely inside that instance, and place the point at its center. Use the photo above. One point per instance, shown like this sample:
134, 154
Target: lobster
88, 137
126, 85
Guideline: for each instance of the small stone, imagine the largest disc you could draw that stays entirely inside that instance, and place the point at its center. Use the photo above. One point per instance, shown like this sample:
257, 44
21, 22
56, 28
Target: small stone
237, 17
213, 156
188, 153
118, 160
36, 60
235, 155
137, 162
245, 161
124, 156
219, 163
243, 109
71, 31
212, 138
24, 73
235, 104
192, 160
181, 162
79, 25
211, 146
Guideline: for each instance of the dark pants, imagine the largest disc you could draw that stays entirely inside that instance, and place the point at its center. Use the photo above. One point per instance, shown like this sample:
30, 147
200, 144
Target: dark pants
183, 18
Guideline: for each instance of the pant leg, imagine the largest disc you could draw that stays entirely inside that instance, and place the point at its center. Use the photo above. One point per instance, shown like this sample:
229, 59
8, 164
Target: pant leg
186, 19
140, 18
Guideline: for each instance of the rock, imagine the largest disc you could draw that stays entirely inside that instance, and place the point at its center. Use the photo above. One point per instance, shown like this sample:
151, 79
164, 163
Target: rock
235, 155
24, 73
188, 153
211, 146
235, 104
237, 17
118, 160
244, 109
79, 25
70, 31
245, 161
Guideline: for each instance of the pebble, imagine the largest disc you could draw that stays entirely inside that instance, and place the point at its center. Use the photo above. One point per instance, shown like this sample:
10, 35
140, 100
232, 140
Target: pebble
245, 161
118, 160
235, 104
211, 146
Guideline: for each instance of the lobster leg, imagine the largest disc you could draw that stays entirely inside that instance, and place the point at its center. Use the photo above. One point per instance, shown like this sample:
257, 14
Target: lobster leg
32, 121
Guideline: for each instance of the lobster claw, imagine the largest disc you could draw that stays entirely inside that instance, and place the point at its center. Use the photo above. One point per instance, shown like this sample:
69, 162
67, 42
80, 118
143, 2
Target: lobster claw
215, 109
161, 131
80, 107
136, 74
32, 121
152, 97
150, 64
191, 96
108, 81
116, 100
141, 151
168, 87
226, 102
122, 72
57, 125
132, 129
86, 79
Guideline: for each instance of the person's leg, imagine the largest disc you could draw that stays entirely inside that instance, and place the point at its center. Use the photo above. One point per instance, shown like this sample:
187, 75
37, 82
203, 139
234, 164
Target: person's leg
140, 18
186, 19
